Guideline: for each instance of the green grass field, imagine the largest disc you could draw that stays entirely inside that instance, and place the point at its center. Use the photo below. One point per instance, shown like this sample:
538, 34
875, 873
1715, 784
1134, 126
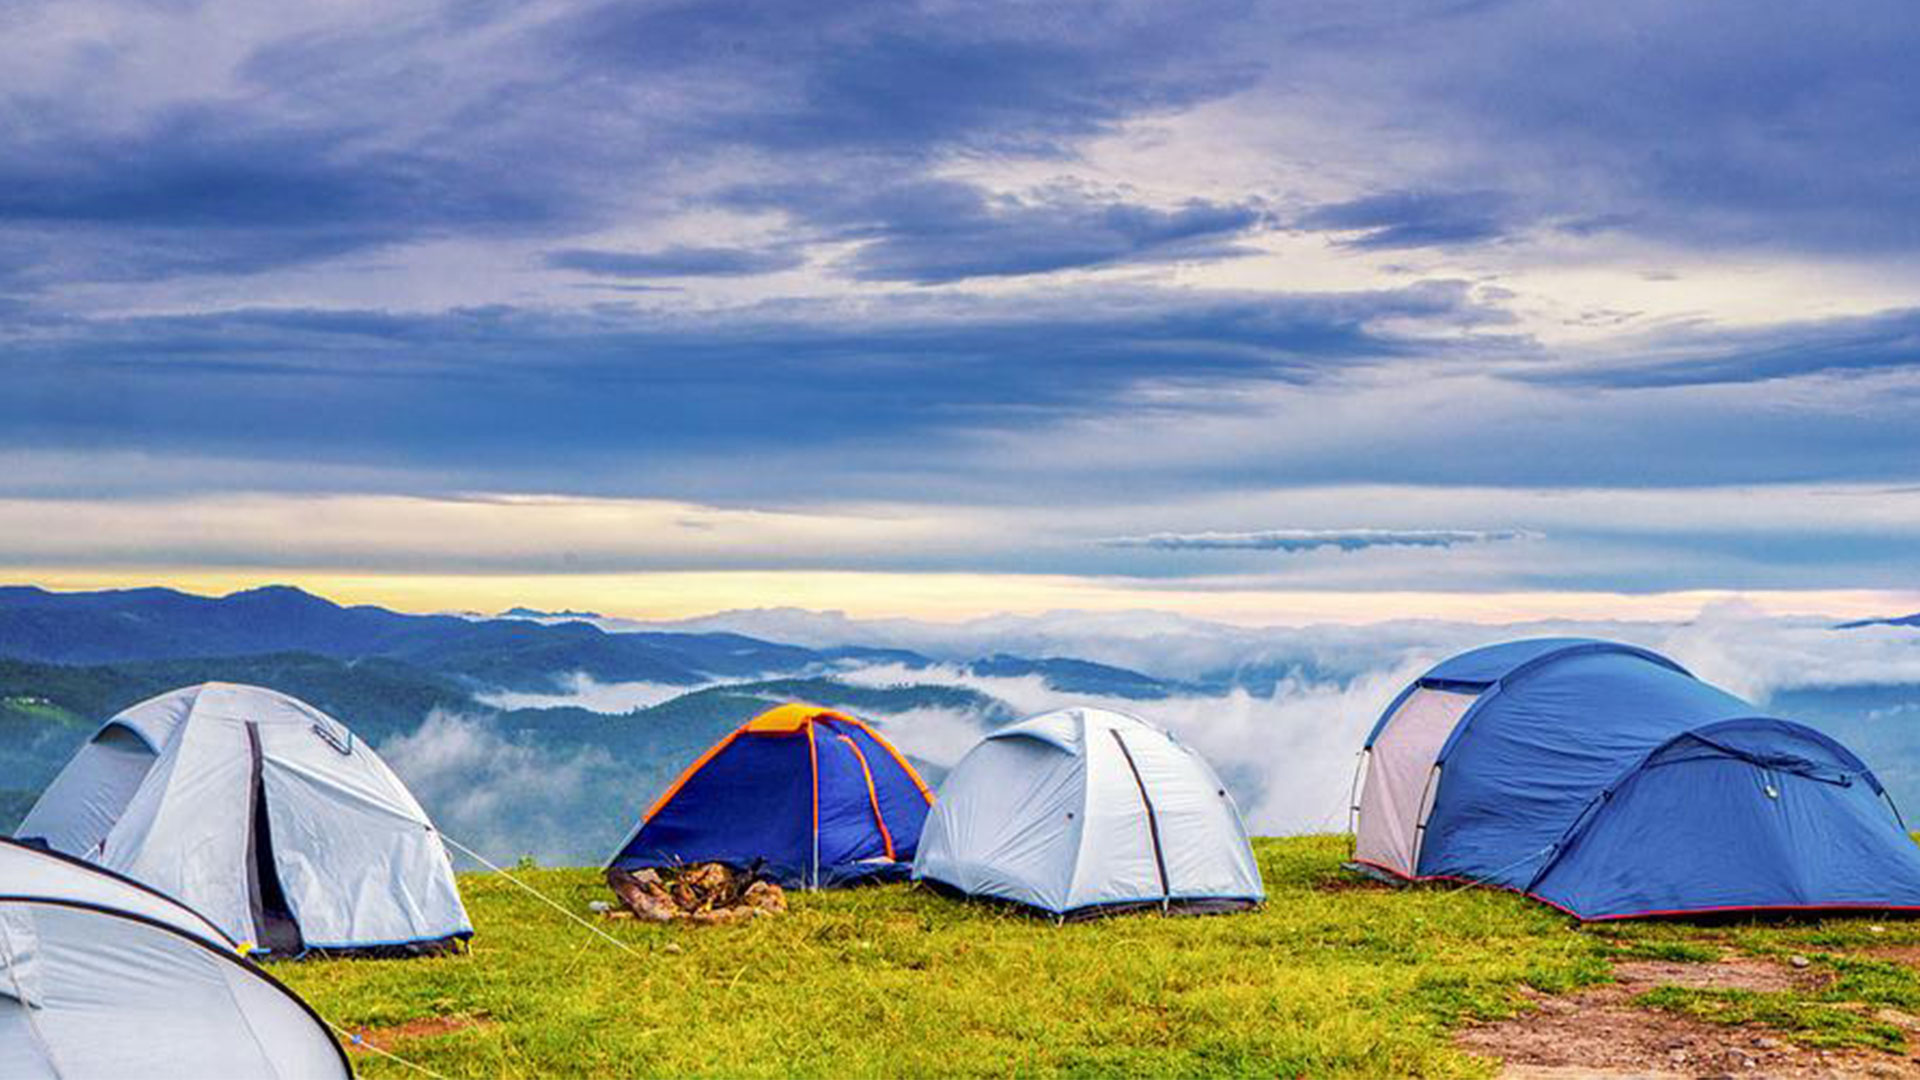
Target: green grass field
1328, 979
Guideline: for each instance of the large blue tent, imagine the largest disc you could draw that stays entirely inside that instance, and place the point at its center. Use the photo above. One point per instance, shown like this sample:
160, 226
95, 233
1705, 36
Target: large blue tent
805, 796
1607, 781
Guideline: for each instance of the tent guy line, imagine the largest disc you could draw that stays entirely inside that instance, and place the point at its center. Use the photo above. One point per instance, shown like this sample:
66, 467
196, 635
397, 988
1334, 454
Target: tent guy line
543, 897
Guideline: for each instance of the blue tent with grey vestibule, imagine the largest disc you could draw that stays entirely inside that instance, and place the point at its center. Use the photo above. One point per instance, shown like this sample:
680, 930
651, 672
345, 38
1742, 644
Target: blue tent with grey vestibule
1606, 780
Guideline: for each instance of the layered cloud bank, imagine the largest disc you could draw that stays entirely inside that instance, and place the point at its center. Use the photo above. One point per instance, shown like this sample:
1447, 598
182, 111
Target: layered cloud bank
894, 287
1280, 712
1311, 539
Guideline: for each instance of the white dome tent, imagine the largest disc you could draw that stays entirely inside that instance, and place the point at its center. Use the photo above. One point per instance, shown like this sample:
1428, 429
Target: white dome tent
264, 814
1085, 812
84, 953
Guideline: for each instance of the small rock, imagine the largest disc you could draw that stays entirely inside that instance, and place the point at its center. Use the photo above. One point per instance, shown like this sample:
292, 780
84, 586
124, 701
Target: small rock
672, 947
1800, 961
1766, 1043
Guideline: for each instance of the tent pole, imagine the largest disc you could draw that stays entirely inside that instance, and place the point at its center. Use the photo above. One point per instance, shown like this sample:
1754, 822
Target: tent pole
1895, 807
1427, 795
1353, 801
813, 759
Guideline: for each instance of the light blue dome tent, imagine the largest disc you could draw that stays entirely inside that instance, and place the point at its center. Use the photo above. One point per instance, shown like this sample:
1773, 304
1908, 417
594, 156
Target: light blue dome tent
1085, 812
103, 978
266, 815
1607, 781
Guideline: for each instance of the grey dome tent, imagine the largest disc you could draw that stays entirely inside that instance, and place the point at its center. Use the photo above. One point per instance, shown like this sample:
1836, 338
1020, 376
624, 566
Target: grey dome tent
264, 814
101, 977
1085, 812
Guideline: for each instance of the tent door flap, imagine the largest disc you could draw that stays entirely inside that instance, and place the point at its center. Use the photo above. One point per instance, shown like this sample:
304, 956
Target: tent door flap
275, 928
1153, 821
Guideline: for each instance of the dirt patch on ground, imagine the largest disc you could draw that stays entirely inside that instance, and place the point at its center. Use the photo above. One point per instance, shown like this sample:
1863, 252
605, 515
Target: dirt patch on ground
1359, 877
1599, 1032
1899, 954
425, 1027
1353, 883
1732, 973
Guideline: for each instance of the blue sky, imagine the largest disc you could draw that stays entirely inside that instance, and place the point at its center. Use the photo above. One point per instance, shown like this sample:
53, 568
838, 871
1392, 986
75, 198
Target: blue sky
932, 309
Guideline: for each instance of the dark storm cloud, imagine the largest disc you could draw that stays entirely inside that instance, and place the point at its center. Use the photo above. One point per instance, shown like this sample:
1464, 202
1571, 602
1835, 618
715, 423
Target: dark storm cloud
479, 389
1788, 126
905, 80
197, 189
1409, 219
935, 231
1886, 342
474, 121
678, 261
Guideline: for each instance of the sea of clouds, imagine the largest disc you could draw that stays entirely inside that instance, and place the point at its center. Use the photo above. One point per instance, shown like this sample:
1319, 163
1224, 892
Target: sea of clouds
1286, 743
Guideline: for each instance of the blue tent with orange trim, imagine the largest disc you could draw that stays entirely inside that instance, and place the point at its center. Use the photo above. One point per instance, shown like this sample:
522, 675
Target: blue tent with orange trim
1607, 781
807, 796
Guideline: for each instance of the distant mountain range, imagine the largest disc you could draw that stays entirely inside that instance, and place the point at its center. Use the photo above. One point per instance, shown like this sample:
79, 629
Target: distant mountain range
48, 710
536, 613
518, 652
1895, 620
162, 624
70, 660
438, 693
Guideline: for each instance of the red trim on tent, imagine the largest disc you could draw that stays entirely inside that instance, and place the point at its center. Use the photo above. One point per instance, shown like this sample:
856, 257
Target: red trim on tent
873, 796
1650, 914
925, 792
813, 762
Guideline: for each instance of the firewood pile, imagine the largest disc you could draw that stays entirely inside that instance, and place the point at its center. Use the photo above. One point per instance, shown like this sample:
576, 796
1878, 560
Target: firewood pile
700, 893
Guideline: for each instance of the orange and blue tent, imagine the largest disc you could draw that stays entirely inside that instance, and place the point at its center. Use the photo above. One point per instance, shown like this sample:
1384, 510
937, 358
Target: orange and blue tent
806, 796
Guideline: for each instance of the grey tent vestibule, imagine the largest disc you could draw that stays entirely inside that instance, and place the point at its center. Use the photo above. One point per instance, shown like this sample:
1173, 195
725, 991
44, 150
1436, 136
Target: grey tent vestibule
102, 978
265, 815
